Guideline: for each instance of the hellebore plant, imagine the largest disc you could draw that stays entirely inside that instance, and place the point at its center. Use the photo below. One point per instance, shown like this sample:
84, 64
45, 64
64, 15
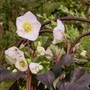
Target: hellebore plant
48, 62
28, 27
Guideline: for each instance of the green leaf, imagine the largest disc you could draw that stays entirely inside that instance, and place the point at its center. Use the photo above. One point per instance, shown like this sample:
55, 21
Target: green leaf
5, 85
48, 7
72, 33
45, 62
57, 52
41, 41
84, 43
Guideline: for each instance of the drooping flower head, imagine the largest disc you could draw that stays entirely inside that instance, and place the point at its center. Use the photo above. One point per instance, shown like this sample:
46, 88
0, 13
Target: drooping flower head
28, 26
58, 32
35, 67
12, 53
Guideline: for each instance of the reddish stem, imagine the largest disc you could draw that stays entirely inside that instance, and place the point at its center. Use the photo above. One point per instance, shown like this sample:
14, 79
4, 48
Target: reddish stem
68, 18
77, 40
0, 29
28, 83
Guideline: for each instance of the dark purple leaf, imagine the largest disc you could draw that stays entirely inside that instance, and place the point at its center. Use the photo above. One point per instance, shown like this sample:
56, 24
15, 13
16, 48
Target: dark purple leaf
79, 81
60, 86
73, 86
77, 73
47, 79
84, 81
57, 69
69, 86
8, 75
67, 60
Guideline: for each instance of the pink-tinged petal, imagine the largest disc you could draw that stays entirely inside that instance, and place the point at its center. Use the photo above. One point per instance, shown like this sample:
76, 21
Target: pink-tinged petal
58, 32
60, 25
20, 33
19, 22
30, 17
58, 35
55, 41
36, 26
12, 54
32, 36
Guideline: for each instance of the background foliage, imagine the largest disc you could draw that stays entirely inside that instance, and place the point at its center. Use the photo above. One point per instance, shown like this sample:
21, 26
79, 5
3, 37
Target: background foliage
45, 10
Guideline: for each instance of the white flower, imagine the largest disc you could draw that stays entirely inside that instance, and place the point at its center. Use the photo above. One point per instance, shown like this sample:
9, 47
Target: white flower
21, 64
40, 50
12, 53
83, 53
58, 32
35, 67
28, 26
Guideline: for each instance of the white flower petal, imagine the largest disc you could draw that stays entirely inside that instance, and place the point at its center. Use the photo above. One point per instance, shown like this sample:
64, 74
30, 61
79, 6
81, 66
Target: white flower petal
35, 67
30, 17
20, 33
36, 26
20, 67
31, 36
40, 50
12, 54
19, 22
10, 60
58, 35
55, 41
58, 32
60, 25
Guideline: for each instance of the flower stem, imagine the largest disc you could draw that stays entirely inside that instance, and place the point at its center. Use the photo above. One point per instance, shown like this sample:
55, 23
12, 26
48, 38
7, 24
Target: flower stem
28, 82
66, 41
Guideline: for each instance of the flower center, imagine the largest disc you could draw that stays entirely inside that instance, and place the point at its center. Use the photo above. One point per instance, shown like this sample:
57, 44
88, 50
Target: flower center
22, 63
27, 26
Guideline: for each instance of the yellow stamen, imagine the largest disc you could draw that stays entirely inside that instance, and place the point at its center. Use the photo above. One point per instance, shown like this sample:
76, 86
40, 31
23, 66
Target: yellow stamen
27, 26
22, 63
